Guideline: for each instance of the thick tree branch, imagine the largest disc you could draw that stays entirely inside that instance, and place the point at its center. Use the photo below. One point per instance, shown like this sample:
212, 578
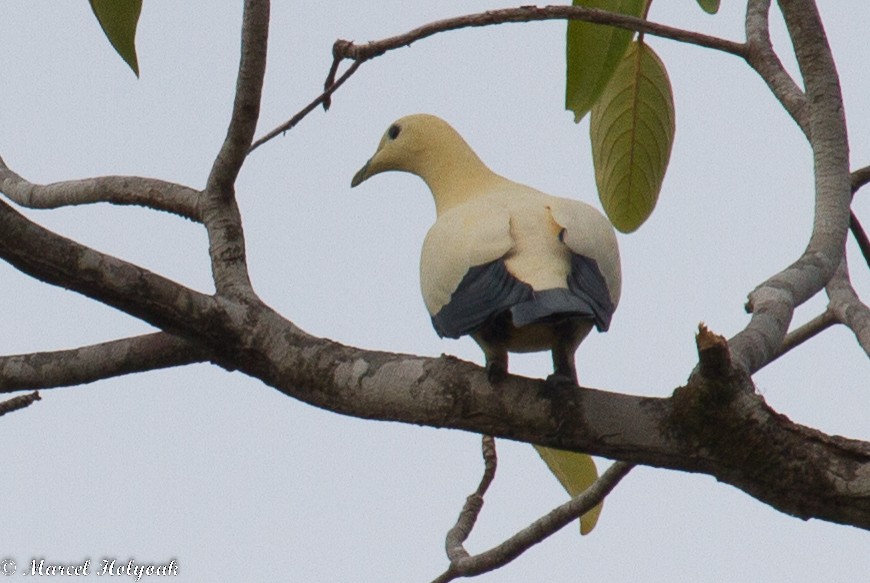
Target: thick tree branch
63, 368
59, 261
120, 190
773, 302
544, 527
220, 211
761, 57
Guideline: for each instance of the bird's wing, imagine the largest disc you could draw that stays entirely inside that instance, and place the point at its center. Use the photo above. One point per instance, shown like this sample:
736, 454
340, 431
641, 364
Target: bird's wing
595, 271
462, 273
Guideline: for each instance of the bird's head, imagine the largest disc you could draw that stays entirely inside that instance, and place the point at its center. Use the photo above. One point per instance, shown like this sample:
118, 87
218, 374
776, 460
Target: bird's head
424, 145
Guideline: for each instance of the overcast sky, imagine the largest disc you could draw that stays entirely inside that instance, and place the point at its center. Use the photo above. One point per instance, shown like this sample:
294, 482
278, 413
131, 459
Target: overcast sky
240, 483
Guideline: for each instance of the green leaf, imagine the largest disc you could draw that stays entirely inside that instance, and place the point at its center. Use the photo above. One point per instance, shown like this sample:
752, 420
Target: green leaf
119, 19
709, 6
593, 51
632, 131
576, 472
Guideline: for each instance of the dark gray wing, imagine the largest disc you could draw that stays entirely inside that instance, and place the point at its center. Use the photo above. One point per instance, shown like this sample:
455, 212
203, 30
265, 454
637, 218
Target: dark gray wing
486, 290
587, 284
587, 296
489, 289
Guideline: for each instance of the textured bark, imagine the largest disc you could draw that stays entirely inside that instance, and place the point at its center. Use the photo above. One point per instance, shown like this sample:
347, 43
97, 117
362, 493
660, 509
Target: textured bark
716, 424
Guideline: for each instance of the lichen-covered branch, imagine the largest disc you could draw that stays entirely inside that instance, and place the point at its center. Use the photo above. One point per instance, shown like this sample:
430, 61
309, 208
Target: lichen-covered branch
121, 190
220, 211
64, 368
773, 302
761, 57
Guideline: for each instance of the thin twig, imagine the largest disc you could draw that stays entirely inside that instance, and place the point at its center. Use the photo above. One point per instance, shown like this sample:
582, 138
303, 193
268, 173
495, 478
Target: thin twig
860, 177
860, 236
320, 99
848, 307
19, 402
349, 50
803, 333
537, 531
343, 49
473, 504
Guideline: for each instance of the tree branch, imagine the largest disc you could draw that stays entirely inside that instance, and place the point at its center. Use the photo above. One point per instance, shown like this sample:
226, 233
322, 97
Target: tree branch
773, 302
120, 190
860, 236
542, 528
457, 535
360, 53
19, 402
860, 177
246, 106
86, 364
331, 86
220, 211
59, 261
848, 307
761, 57
803, 333
349, 50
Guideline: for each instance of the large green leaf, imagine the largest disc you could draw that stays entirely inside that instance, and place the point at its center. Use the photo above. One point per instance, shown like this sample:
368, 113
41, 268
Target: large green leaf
119, 19
709, 6
576, 472
632, 131
593, 51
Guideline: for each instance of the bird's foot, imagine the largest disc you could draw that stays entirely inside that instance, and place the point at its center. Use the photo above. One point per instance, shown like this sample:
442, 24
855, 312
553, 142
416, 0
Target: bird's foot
558, 383
496, 372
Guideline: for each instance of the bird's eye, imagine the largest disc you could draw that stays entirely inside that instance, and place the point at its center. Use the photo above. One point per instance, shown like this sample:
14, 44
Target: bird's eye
393, 132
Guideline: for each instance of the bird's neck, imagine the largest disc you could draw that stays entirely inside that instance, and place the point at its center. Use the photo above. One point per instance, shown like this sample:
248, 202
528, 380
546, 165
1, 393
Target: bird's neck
458, 178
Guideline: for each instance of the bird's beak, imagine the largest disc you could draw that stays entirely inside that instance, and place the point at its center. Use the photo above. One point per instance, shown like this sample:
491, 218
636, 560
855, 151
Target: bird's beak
361, 175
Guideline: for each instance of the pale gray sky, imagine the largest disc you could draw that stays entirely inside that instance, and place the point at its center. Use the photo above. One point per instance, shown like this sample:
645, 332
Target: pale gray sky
238, 482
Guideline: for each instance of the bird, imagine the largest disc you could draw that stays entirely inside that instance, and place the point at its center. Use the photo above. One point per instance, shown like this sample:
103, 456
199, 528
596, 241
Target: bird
514, 268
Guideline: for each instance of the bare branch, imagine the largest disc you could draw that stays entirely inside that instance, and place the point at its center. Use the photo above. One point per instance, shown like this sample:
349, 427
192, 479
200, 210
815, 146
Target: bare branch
860, 177
803, 333
359, 53
86, 364
773, 302
57, 260
457, 535
19, 402
246, 107
120, 190
848, 307
860, 236
220, 211
761, 57
539, 530
349, 50
324, 99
